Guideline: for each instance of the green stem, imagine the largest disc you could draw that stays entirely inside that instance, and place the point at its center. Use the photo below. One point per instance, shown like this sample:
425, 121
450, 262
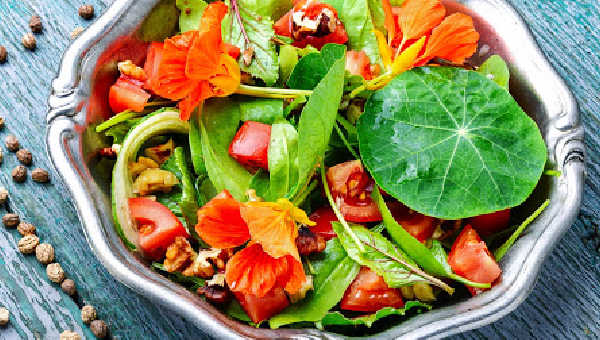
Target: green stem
500, 252
304, 194
271, 92
338, 213
469, 283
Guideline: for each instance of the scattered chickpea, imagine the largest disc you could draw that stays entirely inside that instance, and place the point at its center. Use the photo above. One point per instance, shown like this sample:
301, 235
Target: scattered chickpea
24, 156
68, 286
3, 54
1, 155
35, 24
44, 253
40, 175
3, 192
4, 316
99, 328
55, 272
69, 335
86, 12
25, 228
11, 220
76, 32
19, 174
29, 41
88, 314
12, 143
28, 243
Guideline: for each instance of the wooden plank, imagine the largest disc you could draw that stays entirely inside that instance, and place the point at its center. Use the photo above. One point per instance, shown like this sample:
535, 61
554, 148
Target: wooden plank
564, 304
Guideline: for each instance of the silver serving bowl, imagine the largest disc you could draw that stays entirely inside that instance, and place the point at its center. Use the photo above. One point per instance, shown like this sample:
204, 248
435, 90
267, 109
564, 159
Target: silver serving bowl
79, 101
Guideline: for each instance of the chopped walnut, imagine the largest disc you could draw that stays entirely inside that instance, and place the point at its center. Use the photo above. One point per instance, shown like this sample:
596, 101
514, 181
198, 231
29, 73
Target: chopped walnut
301, 294
154, 180
179, 254
128, 68
308, 242
217, 280
160, 153
215, 294
143, 163
201, 267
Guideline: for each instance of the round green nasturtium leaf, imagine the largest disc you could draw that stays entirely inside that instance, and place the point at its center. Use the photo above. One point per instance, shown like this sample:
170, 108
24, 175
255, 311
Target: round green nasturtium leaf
450, 143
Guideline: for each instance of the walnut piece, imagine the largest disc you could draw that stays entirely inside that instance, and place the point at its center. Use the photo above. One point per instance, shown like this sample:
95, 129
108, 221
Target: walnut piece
179, 254
308, 242
201, 267
3, 192
55, 272
215, 294
154, 180
160, 153
88, 314
128, 68
28, 243
25, 228
44, 253
143, 163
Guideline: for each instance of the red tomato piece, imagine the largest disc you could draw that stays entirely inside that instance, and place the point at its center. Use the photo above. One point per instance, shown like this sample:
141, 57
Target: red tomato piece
260, 309
158, 226
369, 293
358, 63
153, 58
251, 144
418, 225
283, 26
471, 258
489, 224
127, 94
351, 189
323, 218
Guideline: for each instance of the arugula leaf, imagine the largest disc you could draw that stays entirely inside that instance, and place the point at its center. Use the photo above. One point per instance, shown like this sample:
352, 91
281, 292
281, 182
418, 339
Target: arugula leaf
433, 261
191, 14
311, 69
333, 272
257, 23
356, 16
262, 110
161, 23
338, 319
495, 68
316, 122
218, 124
450, 143
283, 160
394, 274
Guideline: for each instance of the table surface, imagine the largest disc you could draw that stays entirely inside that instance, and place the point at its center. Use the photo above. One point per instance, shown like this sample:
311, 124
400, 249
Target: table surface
565, 302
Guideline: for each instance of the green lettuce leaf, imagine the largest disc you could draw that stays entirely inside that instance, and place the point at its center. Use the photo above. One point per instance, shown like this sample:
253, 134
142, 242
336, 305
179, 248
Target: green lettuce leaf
495, 68
263, 110
356, 16
333, 272
118, 125
283, 160
257, 22
161, 23
218, 124
311, 69
450, 143
338, 319
191, 14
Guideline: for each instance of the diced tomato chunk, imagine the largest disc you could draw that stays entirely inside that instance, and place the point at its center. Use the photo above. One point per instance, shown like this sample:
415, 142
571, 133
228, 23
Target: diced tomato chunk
358, 63
369, 293
418, 225
470, 258
489, 224
127, 94
158, 226
251, 144
351, 189
323, 218
260, 309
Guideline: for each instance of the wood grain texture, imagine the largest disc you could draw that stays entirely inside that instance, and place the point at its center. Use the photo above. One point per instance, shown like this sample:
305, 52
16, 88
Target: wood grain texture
564, 304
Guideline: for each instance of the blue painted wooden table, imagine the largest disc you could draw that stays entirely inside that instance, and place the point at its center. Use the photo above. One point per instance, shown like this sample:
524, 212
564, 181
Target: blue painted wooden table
565, 302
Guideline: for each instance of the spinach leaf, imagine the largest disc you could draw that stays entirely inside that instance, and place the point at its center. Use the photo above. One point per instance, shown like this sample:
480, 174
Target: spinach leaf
356, 16
333, 272
433, 261
161, 23
196, 145
450, 143
191, 14
338, 319
262, 110
259, 28
316, 122
495, 68
218, 124
260, 182
283, 160
314, 66
377, 256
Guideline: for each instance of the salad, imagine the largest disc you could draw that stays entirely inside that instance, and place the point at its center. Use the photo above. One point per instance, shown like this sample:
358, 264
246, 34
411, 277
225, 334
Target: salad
320, 163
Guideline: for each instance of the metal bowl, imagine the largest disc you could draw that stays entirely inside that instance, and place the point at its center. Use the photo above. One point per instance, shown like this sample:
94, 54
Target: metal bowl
78, 102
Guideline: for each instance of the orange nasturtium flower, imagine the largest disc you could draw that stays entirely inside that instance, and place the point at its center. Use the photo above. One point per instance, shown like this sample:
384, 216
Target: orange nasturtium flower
271, 258
196, 65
